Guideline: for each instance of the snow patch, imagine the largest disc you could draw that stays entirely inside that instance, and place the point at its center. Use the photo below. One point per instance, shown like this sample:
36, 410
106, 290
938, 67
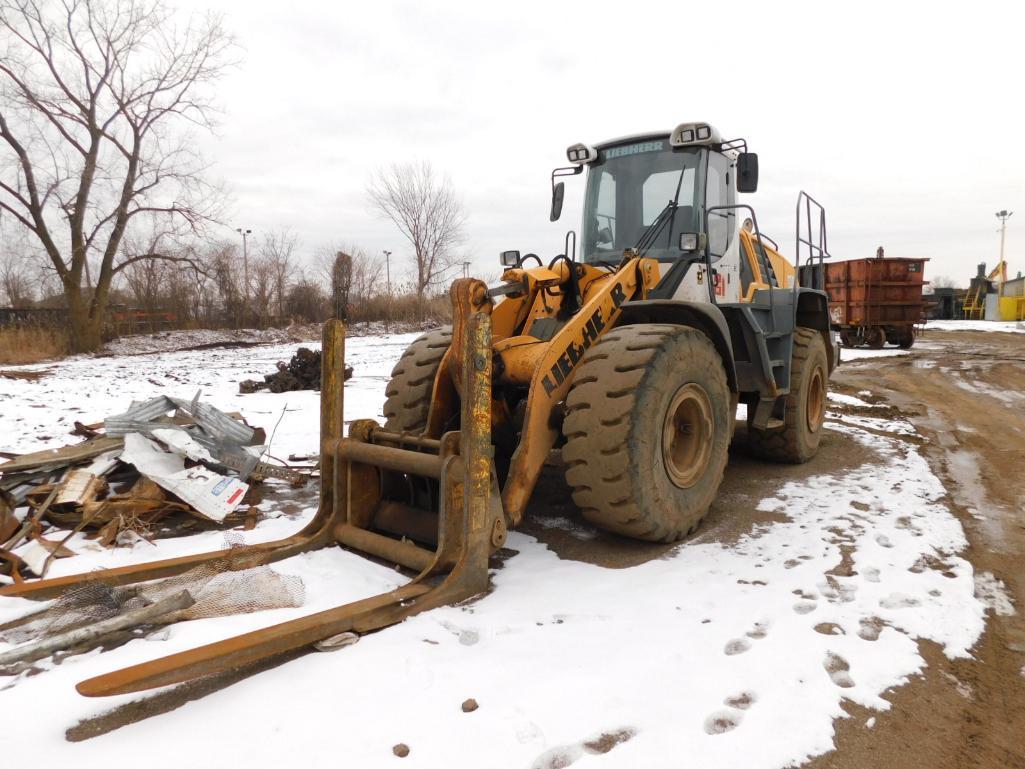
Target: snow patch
1013, 327
850, 400
992, 592
864, 353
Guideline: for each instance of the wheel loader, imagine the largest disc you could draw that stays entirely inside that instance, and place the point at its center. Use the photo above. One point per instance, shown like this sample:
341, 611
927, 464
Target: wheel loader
628, 358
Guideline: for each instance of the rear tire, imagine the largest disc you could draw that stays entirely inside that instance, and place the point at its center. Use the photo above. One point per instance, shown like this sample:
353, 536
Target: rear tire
907, 341
876, 338
797, 440
648, 424
411, 385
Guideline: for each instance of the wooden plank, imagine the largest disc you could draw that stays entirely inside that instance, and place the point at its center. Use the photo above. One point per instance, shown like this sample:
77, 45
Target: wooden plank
67, 455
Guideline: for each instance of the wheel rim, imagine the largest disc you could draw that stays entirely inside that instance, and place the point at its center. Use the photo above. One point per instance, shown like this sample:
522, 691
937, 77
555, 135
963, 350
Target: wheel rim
687, 435
816, 400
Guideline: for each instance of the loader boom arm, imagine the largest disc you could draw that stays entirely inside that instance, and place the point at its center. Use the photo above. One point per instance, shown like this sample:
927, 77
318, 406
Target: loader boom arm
553, 374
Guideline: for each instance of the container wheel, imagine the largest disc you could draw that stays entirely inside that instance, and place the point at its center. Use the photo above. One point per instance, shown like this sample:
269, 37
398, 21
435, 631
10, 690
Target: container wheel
876, 338
648, 424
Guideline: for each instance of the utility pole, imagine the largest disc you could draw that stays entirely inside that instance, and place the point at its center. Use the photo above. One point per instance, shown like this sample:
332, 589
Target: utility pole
1003, 216
245, 233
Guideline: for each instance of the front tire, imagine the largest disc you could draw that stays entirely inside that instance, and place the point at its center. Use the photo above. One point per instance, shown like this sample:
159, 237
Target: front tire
648, 423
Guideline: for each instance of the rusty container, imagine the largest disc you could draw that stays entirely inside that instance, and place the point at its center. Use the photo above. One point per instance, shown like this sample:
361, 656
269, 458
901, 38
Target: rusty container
874, 301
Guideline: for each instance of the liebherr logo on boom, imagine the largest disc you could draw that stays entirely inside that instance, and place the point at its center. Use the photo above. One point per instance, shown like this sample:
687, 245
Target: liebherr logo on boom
569, 358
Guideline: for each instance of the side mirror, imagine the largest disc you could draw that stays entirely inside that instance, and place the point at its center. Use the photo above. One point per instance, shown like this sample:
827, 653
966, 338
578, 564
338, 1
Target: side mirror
558, 193
747, 172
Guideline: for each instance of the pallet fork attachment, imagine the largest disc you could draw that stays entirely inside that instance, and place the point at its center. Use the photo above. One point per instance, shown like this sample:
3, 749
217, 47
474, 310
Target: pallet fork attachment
359, 474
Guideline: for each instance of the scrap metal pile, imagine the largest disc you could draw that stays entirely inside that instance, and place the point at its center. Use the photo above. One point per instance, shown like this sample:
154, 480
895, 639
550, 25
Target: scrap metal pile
302, 372
163, 457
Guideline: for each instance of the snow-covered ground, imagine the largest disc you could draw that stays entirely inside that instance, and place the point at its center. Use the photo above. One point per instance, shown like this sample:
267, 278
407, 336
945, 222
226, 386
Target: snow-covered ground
976, 325
39, 414
716, 655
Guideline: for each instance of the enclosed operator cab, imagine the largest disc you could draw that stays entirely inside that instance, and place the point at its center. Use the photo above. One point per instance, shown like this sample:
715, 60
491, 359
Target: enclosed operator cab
677, 198
668, 195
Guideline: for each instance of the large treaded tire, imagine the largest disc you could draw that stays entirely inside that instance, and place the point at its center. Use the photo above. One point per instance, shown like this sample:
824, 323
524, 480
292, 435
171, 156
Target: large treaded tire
412, 381
617, 411
797, 440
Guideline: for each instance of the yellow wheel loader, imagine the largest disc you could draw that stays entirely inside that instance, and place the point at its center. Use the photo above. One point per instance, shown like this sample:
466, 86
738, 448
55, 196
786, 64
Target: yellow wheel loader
629, 358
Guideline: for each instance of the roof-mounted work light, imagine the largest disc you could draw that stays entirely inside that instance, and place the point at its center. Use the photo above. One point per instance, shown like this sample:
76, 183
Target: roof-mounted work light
687, 134
581, 154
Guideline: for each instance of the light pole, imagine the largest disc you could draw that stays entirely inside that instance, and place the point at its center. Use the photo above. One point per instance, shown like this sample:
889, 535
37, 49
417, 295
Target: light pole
245, 259
1003, 216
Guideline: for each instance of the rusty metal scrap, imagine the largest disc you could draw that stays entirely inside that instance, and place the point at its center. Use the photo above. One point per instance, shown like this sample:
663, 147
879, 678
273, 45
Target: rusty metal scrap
96, 484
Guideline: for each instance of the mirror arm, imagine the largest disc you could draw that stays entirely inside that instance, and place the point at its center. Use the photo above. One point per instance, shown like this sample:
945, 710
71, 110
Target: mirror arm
556, 196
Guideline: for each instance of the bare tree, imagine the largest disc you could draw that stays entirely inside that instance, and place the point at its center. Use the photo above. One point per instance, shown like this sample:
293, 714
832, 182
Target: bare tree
90, 94
366, 282
306, 299
427, 212
354, 277
261, 290
16, 279
942, 281
278, 251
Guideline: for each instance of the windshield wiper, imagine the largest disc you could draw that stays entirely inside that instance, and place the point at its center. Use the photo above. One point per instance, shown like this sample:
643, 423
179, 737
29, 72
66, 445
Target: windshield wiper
652, 231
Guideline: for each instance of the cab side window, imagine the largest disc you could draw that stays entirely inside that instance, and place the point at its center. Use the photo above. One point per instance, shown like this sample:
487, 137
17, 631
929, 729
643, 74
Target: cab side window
721, 224
605, 212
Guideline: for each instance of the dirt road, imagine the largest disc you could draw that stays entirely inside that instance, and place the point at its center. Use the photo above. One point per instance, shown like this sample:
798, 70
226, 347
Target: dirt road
965, 393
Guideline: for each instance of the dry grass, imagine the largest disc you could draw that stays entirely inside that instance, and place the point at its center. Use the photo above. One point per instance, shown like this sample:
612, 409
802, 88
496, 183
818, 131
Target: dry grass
31, 344
402, 307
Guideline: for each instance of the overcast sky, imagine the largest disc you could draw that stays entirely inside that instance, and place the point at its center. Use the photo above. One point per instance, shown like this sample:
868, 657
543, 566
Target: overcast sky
905, 124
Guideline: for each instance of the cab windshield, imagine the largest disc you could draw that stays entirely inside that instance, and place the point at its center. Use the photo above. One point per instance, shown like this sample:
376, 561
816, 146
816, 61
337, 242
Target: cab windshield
630, 197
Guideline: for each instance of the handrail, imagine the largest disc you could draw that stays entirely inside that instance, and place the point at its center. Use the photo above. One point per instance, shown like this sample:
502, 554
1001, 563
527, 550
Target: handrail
818, 249
758, 234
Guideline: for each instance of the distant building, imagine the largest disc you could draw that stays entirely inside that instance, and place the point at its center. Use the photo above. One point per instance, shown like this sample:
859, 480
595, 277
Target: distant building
945, 303
994, 297
1012, 299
